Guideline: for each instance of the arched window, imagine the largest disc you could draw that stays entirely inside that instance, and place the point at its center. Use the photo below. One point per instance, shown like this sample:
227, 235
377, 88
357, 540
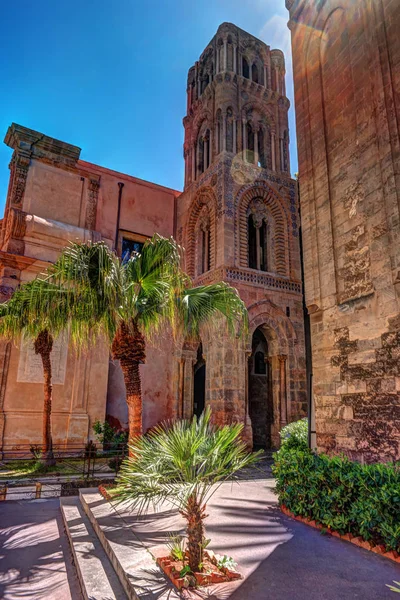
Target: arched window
250, 143
257, 235
245, 68
200, 155
204, 82
254, 73
203, 242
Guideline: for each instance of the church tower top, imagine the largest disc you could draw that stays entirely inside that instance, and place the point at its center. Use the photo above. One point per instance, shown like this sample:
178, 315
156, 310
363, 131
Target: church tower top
236, 103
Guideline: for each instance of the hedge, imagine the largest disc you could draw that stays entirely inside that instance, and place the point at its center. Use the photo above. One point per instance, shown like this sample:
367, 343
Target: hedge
347, 497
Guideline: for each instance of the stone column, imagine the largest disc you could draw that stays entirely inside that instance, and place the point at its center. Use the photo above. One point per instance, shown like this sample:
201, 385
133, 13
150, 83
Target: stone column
265, 76
234, 58
282, 390
258, 245
256, 147
210, 148
194, 162
273, 151
244, 139
281, 154
187, 386
224, 133
234, 136
217, 60
205, 154
225, 55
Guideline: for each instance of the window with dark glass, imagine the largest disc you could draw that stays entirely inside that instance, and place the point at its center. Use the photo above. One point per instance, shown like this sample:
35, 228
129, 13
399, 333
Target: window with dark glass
130, 247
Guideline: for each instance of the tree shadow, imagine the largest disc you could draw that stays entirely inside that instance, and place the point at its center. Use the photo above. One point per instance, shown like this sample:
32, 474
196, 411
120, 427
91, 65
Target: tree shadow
35, 563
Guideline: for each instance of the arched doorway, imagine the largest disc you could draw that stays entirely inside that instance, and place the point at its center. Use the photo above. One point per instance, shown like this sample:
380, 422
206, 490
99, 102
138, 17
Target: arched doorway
199, 392
260, 392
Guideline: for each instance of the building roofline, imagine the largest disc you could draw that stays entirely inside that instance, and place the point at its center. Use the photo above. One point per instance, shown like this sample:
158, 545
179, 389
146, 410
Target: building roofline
93, 168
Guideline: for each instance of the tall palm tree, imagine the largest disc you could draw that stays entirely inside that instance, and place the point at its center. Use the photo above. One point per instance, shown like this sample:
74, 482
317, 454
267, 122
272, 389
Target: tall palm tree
130, 301
38, 311
182, 462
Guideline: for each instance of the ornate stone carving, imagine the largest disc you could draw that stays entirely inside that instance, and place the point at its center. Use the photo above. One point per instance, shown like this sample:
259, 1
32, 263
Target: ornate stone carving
91, 206
19, 172
259, 211
204, 219
15, 230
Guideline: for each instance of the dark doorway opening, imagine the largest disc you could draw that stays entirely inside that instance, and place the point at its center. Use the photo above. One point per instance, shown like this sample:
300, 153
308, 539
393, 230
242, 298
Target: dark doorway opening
260, 392
199, 396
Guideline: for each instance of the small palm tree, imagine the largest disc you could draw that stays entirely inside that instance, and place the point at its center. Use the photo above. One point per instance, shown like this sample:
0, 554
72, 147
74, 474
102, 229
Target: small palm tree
181, 462
130, 301
38, 311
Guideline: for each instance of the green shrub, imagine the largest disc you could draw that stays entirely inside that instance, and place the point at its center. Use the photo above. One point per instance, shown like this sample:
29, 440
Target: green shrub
295, 435
340, 494
109, 437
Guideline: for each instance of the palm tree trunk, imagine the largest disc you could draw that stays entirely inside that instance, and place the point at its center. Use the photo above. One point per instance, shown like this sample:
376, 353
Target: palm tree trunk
194, 514
130, 370
129, 348
43, 346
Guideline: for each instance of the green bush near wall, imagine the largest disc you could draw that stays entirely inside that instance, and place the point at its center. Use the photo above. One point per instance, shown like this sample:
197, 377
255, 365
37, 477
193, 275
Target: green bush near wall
340, 494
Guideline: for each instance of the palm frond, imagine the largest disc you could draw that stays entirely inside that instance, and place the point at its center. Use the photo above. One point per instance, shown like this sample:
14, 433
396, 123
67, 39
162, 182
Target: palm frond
181, 458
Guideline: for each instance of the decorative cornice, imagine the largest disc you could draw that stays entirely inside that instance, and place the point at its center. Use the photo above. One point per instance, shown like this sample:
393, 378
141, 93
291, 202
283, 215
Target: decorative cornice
91, 206
19, 166
34, 144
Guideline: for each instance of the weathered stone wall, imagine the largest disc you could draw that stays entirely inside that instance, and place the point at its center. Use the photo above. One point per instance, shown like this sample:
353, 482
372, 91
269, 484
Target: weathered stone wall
346, 59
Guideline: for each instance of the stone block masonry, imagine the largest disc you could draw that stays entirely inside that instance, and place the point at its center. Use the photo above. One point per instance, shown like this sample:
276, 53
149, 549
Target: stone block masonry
347, 81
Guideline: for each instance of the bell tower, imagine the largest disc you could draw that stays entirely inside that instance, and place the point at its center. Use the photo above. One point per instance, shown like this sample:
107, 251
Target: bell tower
238, 220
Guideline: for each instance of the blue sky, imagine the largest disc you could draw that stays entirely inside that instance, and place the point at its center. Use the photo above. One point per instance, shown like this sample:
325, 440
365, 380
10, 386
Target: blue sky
110, 75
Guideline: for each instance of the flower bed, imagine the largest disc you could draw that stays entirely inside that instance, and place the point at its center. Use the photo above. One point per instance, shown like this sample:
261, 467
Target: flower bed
353, 501
182, 577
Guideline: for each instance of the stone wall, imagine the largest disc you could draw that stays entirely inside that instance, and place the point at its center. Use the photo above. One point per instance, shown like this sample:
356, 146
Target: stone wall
346, 63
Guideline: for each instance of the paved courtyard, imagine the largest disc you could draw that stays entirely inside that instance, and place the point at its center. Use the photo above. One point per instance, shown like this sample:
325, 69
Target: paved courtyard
281, 559
35, 557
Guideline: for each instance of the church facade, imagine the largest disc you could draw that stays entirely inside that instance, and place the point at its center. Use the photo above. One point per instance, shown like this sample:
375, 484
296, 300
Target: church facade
238, 221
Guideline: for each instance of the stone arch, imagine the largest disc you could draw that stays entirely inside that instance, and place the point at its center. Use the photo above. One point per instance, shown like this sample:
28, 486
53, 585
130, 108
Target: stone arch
277, 327
204, 118
280, 336
204, 198
262, 191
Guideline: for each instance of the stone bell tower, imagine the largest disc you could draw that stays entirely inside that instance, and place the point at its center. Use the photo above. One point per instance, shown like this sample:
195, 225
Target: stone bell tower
238, 222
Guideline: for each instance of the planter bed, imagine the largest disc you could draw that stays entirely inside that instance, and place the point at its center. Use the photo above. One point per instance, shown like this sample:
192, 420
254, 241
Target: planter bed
210, 575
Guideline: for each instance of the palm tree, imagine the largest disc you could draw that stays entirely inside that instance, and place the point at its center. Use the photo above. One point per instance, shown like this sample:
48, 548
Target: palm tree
181, 463
130, 301
38, 311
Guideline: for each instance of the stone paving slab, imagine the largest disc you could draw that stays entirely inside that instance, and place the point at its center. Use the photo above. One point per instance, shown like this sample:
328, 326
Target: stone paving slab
140, 576
98, 578
280, 558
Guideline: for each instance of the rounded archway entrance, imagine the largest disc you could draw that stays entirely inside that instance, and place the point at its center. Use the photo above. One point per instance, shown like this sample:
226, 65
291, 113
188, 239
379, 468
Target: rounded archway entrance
260, 391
